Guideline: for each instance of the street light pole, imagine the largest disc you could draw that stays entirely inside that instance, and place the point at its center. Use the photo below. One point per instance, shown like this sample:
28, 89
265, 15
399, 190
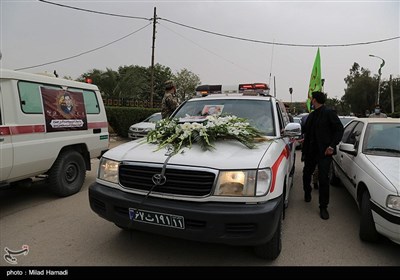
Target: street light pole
379, 76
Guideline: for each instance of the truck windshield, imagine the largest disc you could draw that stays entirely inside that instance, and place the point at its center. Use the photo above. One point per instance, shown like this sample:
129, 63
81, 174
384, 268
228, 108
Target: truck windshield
257, 112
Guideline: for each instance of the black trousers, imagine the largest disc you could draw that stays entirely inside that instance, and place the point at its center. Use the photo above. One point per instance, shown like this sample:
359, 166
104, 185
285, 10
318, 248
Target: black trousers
324, 165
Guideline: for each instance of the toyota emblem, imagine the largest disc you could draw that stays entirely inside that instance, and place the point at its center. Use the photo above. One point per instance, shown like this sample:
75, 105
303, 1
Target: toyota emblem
159, 179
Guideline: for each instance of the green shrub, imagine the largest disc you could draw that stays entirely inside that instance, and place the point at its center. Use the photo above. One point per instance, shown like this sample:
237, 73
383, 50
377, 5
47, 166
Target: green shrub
121, 118
394, 115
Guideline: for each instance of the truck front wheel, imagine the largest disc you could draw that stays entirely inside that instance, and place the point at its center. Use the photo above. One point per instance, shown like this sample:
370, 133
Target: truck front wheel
68, 173
271, 249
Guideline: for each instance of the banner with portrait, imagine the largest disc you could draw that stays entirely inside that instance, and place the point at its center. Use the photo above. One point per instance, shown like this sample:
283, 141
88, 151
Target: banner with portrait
64, 110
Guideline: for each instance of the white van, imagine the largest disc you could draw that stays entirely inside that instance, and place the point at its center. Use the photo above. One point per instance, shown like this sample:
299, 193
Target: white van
49, 128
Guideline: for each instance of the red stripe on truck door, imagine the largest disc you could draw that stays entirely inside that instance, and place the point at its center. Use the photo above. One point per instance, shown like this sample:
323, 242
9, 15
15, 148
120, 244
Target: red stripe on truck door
285, 154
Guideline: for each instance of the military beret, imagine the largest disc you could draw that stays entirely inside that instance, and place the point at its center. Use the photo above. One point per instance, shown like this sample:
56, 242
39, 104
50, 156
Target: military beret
169, 84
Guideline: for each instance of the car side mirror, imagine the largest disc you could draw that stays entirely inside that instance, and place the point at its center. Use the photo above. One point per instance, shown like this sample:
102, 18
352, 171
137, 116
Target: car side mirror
348, 148
292, 130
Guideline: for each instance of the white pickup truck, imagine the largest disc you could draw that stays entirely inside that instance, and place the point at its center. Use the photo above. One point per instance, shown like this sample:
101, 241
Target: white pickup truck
50, 128
230, 194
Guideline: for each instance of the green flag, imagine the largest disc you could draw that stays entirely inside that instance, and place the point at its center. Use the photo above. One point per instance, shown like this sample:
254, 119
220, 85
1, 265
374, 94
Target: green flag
315, 80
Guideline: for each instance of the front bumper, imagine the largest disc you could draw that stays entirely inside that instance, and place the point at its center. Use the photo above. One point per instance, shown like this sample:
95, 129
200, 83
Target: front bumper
386, 223
137, 135
215, 222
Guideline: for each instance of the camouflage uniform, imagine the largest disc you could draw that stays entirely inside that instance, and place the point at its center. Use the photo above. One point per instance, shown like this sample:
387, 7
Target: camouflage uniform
168, 104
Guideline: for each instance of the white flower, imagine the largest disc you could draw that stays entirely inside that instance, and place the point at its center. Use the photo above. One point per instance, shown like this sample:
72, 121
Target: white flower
185, 126
170, 133
233, 131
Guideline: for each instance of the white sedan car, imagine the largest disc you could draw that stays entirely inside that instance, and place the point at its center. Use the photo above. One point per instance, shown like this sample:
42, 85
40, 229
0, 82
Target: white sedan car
141, 129
368, 164
346, 119
299, 142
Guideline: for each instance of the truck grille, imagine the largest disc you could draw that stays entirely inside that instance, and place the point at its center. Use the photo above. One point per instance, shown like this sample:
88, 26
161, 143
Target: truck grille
179, 181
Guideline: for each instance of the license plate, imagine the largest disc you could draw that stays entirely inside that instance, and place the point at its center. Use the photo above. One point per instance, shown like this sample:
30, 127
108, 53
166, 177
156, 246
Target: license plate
156, 218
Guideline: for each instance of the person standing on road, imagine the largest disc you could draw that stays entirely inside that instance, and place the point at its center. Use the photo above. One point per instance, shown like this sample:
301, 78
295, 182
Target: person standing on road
170, 101
315, 173
377, 113
323, 131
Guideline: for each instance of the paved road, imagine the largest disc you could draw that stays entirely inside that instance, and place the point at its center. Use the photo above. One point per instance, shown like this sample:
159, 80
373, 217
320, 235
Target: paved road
65, 232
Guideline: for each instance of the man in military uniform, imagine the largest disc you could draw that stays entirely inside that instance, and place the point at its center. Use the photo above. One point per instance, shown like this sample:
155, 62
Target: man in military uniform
170, 100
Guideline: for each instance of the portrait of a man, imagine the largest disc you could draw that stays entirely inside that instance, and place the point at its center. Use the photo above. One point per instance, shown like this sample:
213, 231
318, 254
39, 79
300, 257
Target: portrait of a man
67, 105
212, 110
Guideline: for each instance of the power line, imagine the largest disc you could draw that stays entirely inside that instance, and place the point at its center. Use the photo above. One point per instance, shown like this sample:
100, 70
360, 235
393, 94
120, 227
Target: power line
213, 53
277, 43
229, 36
91, 11
92, 50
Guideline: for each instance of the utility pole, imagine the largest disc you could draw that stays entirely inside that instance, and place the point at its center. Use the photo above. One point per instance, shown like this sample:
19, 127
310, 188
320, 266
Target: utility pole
152, 58
391, 92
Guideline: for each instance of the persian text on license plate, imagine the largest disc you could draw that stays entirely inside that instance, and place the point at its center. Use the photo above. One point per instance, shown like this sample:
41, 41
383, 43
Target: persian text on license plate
157, 218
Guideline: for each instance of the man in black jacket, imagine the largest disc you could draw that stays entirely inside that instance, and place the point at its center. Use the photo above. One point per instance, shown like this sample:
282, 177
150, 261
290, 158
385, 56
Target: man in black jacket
323, 131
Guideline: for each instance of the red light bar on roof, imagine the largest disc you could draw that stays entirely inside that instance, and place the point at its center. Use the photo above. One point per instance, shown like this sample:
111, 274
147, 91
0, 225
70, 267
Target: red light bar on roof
261, 86
257, 88
254, 86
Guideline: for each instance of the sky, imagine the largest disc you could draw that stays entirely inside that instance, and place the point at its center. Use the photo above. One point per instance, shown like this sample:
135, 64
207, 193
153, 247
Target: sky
34, 33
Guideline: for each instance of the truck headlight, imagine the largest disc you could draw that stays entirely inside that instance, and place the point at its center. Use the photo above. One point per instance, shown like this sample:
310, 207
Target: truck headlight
108, 170
393, 202
243, 182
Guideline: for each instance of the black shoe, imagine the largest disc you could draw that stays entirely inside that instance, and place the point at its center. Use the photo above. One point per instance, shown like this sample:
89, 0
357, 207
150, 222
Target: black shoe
307, 197
316, 186
324, 214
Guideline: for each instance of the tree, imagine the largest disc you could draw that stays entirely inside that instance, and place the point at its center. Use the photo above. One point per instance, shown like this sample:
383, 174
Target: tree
361, 90
340, 106
105, 80
132, 83
385, 96
161, 75
186, 83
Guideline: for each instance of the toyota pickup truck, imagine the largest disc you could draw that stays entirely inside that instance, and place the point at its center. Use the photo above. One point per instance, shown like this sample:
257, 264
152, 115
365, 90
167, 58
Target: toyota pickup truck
230, 194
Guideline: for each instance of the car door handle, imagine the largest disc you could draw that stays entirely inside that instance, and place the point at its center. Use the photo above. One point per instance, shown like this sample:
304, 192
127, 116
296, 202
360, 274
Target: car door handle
1, 139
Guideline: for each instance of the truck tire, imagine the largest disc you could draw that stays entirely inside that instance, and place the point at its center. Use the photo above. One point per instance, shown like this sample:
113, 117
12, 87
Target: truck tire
367, 225
272, 248
67, 174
